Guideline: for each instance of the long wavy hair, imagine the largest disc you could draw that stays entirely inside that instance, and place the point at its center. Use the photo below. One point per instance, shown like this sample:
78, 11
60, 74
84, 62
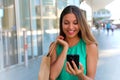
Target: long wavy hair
84, 32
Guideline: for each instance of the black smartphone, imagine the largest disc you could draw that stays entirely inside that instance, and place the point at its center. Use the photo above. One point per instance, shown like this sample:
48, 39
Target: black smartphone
75, 58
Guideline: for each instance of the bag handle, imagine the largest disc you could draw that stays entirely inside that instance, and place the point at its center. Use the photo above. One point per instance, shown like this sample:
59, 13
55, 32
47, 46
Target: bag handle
51, 49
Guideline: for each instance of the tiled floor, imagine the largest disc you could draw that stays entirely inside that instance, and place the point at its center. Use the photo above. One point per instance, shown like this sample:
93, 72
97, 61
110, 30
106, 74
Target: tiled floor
21, 72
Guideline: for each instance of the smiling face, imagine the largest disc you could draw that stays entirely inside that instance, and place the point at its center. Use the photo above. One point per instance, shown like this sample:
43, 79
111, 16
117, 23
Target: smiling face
70, 26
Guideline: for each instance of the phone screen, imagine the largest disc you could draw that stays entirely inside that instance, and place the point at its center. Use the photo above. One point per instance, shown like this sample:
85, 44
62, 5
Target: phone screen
75, 58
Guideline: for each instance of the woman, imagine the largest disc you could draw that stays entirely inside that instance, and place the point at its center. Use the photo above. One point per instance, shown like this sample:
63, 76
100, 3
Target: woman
75, 38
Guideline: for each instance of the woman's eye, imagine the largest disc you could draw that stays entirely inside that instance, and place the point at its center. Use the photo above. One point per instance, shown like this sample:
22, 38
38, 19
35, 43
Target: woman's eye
75, 23
66, 23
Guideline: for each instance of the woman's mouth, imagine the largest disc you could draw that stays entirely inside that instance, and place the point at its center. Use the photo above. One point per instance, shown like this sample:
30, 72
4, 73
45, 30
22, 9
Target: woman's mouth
71, 32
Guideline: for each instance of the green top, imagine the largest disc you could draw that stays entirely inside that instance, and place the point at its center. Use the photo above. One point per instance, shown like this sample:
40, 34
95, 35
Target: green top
80, 49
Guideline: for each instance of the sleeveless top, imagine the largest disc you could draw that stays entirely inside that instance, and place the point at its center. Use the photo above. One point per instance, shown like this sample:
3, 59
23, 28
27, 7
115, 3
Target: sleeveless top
80, 49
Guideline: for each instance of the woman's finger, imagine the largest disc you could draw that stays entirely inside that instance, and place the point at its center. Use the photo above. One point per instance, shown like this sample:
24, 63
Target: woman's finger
74, 66
70, 68
60, 37
81, 67
67, 68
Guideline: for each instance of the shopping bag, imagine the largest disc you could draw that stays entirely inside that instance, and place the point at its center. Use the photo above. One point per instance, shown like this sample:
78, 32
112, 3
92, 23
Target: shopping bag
44, 68
45, 65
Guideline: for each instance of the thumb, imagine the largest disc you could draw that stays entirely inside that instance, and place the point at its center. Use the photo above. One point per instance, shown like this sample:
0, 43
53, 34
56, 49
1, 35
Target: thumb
81, 67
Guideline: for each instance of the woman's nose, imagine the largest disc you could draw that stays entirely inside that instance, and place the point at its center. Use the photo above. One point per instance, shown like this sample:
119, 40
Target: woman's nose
71, 26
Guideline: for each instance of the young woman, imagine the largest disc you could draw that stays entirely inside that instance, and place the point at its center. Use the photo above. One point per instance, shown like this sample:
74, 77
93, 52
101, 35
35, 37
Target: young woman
75, 38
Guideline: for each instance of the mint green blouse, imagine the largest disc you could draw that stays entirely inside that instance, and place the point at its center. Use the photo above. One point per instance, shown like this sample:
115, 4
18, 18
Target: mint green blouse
80, 49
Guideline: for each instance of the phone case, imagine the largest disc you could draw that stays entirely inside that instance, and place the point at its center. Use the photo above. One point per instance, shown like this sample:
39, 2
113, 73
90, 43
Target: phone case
75, 58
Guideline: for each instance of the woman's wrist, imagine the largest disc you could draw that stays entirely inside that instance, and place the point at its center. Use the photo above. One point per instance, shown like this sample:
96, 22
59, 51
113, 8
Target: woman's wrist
66, 46
81, 76
84, 77
65, 49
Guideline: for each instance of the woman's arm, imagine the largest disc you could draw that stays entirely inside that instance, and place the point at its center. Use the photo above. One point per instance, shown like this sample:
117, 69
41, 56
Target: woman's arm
92, 58
58, 62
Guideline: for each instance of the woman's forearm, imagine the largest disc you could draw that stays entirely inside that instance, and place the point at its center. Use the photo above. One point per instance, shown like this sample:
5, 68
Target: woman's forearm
84, 77
57, 66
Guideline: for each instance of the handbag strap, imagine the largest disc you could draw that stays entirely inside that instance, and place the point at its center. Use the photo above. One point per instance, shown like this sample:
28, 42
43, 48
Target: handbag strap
51, 49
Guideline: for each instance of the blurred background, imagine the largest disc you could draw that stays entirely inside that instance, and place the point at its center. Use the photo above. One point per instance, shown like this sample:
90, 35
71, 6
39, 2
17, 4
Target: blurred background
27, 27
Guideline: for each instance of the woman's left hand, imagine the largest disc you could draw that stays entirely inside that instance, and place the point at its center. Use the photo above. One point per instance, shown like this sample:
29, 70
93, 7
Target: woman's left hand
78, 72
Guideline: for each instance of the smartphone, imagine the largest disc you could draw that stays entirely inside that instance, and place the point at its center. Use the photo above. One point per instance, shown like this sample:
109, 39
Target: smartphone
75, 58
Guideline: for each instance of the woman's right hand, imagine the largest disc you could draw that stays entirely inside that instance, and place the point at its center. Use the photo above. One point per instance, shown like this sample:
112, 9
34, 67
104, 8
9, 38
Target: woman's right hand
60, 40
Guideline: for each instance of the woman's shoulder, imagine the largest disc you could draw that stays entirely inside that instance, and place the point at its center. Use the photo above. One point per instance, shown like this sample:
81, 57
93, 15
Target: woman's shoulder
92, 45
92, 48
51, 44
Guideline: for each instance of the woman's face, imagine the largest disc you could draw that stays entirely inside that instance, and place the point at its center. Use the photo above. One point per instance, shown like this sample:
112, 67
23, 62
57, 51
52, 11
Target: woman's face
70, 25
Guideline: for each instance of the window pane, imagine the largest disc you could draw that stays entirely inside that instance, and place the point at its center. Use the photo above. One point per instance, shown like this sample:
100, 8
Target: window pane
36, 27
49, 20
25, 27
9, 36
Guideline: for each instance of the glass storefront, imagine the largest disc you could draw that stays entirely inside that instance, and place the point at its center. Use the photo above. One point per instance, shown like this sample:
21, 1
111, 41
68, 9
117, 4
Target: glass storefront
49, 20
8, 33
1, 47
25, 28
28, 27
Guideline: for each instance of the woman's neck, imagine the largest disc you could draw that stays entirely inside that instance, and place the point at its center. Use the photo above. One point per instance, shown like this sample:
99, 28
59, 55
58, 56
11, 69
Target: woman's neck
72, 41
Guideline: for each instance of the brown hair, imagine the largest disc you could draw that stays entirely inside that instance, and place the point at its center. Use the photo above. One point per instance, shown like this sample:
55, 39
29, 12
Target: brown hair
84, 32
